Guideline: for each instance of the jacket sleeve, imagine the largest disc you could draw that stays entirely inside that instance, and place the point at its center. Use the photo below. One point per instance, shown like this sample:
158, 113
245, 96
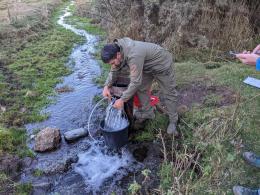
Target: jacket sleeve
136, 71
112, 76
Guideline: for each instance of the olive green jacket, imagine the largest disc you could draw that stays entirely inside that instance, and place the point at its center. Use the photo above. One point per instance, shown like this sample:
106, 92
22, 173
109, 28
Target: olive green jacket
139, 58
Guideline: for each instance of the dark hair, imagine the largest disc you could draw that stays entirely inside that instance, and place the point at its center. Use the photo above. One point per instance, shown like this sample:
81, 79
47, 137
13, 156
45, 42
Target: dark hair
109, 52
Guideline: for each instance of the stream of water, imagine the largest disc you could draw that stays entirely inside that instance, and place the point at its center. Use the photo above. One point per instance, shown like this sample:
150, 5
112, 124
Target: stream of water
86, 166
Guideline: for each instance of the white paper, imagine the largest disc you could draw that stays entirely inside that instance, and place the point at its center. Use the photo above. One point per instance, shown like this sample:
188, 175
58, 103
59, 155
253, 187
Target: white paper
252, 81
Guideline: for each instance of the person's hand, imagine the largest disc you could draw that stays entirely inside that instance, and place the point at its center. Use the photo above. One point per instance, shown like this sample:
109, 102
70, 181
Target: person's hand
249, 59
118, 104
257, 50
106, 92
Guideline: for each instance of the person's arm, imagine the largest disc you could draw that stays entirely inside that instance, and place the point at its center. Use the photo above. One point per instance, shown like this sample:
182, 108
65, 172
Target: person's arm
109, 82
257, 50
111, 78
249, 59
257, 66
136, 72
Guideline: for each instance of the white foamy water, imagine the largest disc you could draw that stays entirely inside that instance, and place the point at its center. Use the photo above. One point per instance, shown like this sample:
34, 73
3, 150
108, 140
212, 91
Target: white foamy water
99, 164
115, 119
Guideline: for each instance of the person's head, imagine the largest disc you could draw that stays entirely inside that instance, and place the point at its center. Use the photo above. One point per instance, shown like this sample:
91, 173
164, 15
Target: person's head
110, 54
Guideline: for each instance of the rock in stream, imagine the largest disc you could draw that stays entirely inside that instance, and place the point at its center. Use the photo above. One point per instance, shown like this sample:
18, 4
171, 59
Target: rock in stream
47, 139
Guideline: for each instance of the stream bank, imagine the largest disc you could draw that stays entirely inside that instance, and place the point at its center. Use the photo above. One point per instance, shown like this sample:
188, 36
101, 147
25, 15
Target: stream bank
85, 166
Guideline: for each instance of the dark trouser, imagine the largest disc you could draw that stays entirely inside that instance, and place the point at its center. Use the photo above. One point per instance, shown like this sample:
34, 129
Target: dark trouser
167, 86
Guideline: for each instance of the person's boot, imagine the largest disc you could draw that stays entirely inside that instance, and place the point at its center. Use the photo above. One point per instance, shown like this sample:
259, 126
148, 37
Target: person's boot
252, 159
141, 117
171, 130
240, 190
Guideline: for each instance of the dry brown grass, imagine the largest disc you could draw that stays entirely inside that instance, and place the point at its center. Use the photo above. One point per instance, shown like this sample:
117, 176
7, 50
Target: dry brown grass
182, 27
17, 10
83, 7
21, 20
224, 29
17, 14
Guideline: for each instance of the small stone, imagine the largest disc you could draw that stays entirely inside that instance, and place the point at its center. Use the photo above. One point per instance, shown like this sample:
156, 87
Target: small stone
64, 89
23, 109
47, 139
59, 166
75, 134
2, 109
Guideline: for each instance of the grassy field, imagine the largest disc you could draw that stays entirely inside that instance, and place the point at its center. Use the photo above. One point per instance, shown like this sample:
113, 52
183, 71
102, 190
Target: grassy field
13, 11
26, 80
22, 21
207, 158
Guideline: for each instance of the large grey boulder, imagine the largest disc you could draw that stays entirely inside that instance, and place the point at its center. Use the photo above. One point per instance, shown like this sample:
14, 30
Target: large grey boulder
47, 139
75, 134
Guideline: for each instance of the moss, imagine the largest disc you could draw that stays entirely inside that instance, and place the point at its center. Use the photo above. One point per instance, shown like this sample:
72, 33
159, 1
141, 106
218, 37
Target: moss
37, 173
11, 138
97, 98
24, 189
85, 24
29, 80
105, 70
134, 188
151, 128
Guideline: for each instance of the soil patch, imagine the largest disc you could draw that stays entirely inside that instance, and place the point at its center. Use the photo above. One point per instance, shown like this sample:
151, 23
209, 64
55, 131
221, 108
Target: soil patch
200, 93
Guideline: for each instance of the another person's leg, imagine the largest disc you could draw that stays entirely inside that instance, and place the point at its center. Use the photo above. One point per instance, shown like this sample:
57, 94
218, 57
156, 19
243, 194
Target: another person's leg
167, 85
252, 159
146, 110
240, 190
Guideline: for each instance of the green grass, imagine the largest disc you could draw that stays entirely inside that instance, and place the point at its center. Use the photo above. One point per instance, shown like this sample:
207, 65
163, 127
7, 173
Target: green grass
166, 176
13, 140
84, 23
151, 128
24, 189
209, 131
105, 71
37, 173
26, 81
29, 80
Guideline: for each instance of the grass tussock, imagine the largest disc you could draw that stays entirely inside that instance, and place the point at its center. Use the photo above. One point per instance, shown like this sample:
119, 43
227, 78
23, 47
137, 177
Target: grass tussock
198, 29
207, 159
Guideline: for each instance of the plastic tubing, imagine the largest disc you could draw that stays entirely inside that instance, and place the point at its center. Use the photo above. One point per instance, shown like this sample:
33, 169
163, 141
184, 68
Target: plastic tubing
89, 118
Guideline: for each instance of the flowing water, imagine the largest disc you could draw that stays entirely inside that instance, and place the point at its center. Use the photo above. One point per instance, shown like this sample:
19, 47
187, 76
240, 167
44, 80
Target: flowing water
86, 166
115, 119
